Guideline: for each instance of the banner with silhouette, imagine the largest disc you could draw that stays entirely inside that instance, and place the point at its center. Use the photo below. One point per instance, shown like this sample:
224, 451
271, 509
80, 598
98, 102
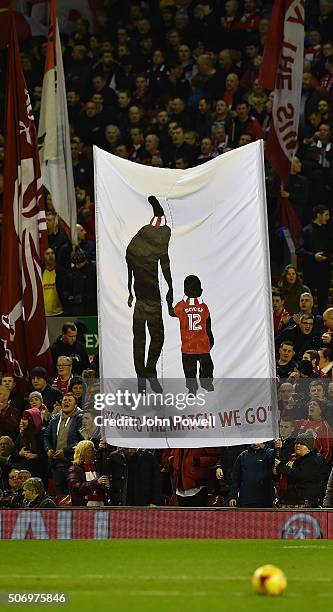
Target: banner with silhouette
184, 285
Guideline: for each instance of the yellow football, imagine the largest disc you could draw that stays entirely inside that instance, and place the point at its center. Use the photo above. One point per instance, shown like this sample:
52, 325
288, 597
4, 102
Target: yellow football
269, 580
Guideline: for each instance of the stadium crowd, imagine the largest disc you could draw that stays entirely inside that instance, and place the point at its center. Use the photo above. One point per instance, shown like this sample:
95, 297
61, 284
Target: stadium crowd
174, 84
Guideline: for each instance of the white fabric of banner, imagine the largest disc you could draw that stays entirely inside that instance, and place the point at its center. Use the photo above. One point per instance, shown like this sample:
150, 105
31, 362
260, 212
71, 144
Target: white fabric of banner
217, 216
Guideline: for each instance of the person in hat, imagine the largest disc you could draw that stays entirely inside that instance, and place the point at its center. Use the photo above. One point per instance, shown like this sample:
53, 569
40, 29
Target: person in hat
35, 400
301, 486
30, 453
317, 423
78, 286
51, 396
196, 336
147, 249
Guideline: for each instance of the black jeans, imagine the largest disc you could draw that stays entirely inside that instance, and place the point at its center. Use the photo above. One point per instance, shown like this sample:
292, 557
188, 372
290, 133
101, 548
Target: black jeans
190, 366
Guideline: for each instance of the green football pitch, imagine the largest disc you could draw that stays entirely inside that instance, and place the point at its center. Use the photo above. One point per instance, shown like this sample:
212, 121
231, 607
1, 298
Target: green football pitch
156, 575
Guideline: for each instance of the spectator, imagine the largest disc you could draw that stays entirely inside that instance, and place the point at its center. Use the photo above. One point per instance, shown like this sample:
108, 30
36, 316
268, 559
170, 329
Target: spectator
321, 429
291, 288
221, 117
326, 362
232, 94
78, 286
7, 448
86, 245
252, 478
82, 167
303, 369
285, 364
9, 415
134, 474
64, 369
112, 137
309, 98
296, 190
285, 445
56, 236
50, 395
86, 488
192, 473
67, 344
281, 316
60, 438
301, 335
312, 356
306, 306
89, 429
35, 400
53, 306
13, 498
315, 248
285, 392
180, 147
15, 397
35, 495
30, 454
303, 475
244, 123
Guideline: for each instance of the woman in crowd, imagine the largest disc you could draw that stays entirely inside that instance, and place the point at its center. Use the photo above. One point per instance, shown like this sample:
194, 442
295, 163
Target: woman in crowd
30, 454
291, 287
85, 486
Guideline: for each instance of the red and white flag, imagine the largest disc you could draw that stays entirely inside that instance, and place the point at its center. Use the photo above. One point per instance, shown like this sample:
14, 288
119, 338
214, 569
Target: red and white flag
23, 331
281, 71
53, 132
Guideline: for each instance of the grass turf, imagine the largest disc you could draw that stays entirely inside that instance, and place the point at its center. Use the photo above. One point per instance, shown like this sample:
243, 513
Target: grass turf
156, 575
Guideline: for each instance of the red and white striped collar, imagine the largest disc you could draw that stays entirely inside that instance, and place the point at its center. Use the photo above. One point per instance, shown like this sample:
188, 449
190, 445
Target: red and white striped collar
158, 221
193, 301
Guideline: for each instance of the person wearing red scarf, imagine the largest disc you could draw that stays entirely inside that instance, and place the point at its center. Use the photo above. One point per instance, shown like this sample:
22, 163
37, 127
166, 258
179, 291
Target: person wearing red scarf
85, 486
320, 427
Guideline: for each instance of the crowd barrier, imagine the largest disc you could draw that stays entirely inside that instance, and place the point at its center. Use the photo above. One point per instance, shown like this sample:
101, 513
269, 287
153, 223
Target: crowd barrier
164, 523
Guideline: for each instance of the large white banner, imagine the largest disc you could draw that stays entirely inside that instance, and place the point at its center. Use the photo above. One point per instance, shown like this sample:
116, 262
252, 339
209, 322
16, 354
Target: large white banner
205, 226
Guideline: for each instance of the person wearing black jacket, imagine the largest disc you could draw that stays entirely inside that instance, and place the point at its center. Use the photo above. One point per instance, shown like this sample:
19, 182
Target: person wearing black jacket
35, 495
134, 474
285, 445
315, 249
252, 478
68, 345
50, 395
300, 335
303, 475
77, 287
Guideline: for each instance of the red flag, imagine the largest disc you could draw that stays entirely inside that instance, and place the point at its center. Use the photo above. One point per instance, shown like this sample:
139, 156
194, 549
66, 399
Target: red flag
281, 70
23, 330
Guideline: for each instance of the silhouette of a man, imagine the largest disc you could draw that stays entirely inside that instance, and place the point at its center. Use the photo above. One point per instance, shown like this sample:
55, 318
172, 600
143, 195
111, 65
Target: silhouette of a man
147, 249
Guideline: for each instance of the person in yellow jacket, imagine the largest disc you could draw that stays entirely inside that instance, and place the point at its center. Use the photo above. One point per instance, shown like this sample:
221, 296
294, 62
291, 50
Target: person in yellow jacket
53, 306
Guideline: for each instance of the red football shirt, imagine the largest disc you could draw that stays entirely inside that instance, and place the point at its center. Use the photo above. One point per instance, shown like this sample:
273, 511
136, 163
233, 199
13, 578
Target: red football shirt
193, 314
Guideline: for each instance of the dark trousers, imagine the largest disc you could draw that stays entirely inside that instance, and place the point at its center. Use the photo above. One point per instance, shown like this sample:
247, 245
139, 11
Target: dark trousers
59, 477
149, 313
193, 501
190, 367
320, 285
